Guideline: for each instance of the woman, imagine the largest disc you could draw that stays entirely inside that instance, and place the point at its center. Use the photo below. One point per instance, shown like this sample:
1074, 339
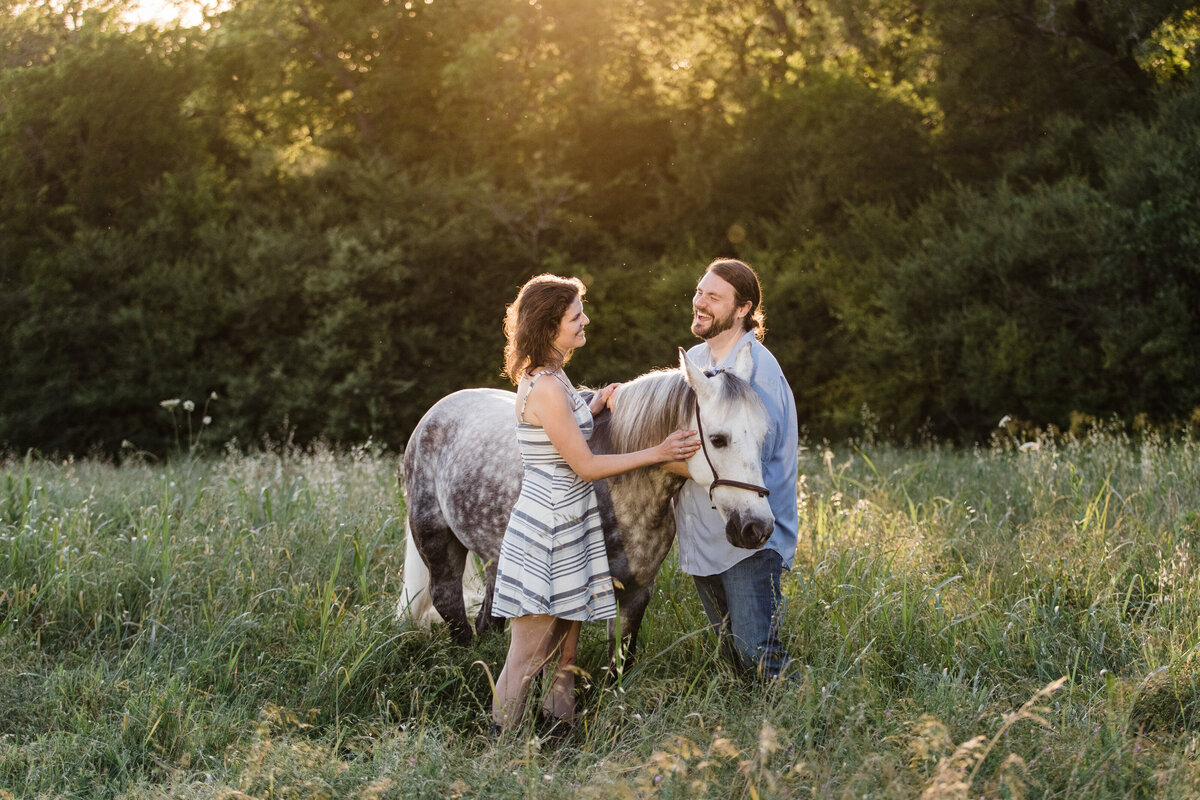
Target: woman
552, 573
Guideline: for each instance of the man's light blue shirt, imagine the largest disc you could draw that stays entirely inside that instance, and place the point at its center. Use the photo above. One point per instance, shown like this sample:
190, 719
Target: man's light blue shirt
703, 548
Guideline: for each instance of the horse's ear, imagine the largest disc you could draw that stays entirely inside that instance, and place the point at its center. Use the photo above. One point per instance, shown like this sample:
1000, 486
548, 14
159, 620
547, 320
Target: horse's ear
693, 375
743, 364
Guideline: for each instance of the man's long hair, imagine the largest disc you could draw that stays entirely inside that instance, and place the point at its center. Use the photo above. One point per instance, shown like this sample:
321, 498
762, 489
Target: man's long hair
746, 287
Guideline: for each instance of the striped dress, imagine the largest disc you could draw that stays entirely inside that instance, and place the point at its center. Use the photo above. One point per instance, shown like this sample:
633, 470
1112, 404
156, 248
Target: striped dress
552, 560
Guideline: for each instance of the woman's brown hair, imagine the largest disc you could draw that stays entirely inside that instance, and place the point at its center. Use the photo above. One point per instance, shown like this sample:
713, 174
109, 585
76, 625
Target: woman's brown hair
531, 324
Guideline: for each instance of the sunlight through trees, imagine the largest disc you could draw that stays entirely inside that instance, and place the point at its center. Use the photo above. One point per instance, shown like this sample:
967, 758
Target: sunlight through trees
960, 210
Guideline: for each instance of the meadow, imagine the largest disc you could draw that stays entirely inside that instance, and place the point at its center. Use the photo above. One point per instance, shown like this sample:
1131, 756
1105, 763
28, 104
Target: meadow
1014, 620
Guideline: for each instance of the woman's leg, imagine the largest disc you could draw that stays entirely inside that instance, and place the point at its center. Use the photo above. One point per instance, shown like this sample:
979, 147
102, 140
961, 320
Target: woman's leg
530, 647
560, 700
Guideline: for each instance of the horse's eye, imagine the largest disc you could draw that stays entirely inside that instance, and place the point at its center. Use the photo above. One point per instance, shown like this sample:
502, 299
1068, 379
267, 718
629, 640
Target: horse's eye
719, 440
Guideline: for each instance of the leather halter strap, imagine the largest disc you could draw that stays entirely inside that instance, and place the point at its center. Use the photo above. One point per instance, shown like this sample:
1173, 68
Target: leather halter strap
761, 491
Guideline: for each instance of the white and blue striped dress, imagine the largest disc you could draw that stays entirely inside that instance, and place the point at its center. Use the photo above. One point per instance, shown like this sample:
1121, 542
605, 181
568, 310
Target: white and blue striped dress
552, 560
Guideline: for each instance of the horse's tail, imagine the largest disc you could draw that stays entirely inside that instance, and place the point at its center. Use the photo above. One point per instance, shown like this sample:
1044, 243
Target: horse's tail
416, 603
415, 600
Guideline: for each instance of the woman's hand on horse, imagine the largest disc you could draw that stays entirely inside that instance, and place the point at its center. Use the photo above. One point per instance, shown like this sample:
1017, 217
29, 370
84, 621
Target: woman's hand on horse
680, 445
603, 397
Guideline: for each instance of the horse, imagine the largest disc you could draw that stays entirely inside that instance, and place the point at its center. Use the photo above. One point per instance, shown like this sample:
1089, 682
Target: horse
461, 475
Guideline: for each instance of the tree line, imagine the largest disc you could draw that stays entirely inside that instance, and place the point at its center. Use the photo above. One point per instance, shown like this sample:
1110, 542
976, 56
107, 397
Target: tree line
306, 218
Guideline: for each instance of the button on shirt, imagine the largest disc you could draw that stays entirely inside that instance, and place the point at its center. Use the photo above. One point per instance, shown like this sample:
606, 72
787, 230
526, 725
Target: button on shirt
703, 548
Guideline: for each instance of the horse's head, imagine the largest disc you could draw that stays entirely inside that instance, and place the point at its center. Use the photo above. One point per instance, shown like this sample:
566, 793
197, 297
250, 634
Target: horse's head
733, 422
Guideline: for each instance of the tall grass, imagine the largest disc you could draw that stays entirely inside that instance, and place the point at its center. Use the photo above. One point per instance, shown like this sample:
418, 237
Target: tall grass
994, 622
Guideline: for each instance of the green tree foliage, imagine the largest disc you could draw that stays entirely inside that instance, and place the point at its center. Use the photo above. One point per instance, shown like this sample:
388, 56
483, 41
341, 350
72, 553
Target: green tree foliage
1063, 297
1005, 69
1151, 267
111, 323
977, 316
355, 323
319, 210
92, 120
356, 77
802, 153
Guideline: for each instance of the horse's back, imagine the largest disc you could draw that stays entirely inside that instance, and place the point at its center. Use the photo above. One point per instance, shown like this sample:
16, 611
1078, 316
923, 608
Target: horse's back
463, 469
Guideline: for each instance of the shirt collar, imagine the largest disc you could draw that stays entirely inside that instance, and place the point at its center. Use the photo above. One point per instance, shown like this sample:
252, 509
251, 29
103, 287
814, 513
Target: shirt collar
729, 359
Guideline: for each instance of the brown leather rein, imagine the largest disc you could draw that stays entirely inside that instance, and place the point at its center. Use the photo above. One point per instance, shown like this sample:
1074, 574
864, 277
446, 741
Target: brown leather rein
761, 491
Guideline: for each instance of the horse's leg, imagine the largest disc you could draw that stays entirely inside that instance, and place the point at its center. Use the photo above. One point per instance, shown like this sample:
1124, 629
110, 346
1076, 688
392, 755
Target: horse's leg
633, 608
447, 559
415, 601
484, 621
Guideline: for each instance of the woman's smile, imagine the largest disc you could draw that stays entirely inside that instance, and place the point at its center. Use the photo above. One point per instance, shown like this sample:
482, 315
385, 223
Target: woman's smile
571, 328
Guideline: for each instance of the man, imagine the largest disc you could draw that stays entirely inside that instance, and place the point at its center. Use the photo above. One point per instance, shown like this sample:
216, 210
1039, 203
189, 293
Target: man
739, 588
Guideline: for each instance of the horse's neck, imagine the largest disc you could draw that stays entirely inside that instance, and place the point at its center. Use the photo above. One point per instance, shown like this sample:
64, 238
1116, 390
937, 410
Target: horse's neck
641, 502
651, 490
652, 487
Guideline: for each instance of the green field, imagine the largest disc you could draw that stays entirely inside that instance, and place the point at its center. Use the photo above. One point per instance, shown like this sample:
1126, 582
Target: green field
993, 623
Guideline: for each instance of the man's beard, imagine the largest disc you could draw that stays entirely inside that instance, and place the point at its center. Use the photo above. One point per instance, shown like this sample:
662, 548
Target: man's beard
715, 328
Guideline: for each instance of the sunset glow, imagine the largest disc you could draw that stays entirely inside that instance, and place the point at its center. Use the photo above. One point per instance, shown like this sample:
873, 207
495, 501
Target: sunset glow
165, 12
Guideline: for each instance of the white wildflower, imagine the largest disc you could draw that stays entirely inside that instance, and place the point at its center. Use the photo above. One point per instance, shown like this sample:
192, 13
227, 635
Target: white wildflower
170, 404
189, 406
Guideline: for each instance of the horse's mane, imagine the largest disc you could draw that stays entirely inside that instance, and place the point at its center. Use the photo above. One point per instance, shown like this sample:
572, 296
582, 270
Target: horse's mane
648, 408
653, 405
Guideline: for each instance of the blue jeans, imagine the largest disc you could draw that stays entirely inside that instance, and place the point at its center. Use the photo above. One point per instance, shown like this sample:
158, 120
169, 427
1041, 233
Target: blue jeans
744, 605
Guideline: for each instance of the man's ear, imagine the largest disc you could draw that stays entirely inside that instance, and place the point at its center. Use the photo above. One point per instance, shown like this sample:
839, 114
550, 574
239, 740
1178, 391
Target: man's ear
740, 316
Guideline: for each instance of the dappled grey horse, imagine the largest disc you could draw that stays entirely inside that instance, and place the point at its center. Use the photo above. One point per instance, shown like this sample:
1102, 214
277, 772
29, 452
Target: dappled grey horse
462, 474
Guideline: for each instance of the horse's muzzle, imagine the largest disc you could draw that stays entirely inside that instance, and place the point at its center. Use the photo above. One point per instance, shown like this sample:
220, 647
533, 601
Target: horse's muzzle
750, 533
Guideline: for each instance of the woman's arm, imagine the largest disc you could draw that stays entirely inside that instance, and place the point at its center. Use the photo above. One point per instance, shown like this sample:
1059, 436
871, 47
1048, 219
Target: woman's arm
550, 406
674, 467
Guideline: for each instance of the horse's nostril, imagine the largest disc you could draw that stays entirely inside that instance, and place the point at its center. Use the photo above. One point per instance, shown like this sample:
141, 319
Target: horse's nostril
751, 534
758, 532
734, 531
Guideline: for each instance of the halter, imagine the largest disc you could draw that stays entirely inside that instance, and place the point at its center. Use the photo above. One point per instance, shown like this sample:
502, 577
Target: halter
761, 491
